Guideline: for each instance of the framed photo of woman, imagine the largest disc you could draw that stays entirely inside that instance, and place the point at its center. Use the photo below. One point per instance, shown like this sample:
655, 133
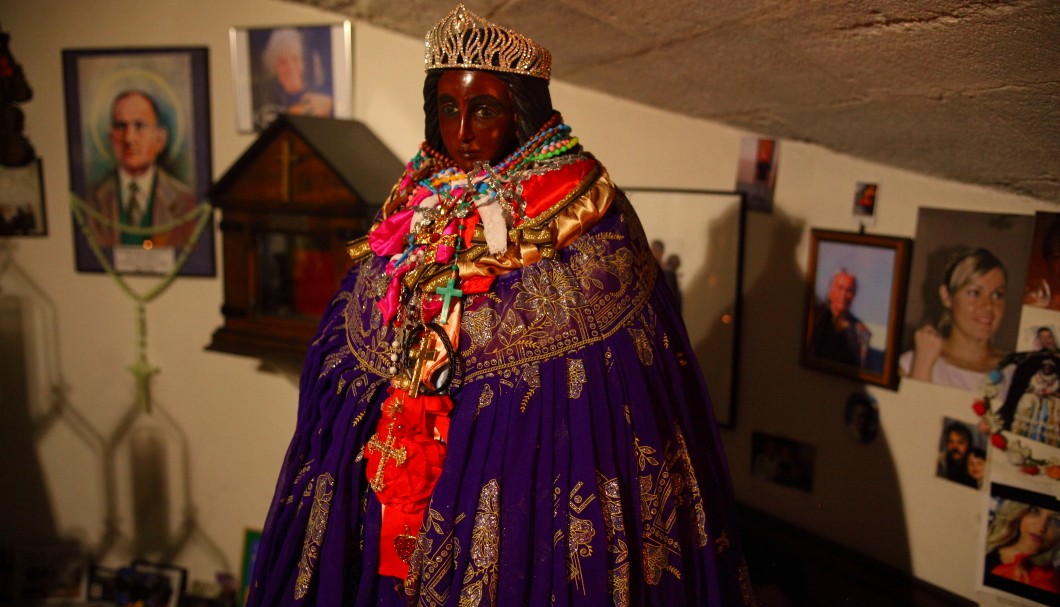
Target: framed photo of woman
304, 70
1021, 544
855, 298
964, 304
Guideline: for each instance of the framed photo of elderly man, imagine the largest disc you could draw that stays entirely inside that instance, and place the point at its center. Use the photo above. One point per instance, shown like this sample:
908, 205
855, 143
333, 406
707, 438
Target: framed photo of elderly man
855, 299
138, 136
305, 70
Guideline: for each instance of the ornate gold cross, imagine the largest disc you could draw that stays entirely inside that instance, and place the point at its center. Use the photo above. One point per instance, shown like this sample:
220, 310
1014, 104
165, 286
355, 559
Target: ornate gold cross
421, 356
386, 448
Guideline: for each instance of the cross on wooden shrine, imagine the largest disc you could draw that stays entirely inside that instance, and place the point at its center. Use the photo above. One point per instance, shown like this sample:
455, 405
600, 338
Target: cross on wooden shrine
386, 448
288, 158
423, 354
449, 291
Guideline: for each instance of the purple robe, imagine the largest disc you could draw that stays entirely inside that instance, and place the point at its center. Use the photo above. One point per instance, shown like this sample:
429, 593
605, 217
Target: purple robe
583, 468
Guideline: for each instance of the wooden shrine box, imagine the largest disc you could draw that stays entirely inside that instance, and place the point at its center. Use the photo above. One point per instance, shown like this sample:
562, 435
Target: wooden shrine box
289, 205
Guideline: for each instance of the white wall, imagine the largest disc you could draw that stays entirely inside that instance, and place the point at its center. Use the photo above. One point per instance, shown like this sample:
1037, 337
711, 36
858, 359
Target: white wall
881, 499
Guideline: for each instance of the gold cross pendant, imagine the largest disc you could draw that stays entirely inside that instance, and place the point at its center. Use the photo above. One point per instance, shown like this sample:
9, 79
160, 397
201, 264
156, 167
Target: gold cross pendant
423, 354
386, 448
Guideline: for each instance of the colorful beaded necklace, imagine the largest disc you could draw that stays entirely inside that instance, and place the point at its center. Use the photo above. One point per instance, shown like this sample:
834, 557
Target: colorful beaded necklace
442, 201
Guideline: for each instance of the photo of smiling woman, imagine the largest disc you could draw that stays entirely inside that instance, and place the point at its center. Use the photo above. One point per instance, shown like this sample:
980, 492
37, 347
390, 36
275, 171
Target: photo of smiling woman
958, 349
963, 319
1023, 544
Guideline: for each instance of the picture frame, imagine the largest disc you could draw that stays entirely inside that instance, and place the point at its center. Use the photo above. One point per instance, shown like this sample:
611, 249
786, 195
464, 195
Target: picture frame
998, 244
1008, 504
704, 231
756, 173
22, 200
140, 115
861, 416
962, 453
102, 584
783, 461
303, 69
861, 279
148, 574
251, 539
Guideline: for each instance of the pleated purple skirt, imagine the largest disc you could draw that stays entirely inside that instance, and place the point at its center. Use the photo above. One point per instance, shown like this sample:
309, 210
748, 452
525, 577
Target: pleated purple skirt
584, 466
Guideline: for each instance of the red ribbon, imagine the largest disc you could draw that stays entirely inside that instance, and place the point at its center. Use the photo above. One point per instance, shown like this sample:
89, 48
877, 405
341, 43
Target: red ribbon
419, 426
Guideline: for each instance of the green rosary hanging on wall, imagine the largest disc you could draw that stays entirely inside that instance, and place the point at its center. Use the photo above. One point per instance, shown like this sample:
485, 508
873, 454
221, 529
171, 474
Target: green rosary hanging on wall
141, 369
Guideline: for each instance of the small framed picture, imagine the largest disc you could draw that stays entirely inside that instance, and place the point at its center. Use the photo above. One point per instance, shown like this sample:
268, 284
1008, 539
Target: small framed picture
756, 173
861, 416
159, 583
865, 203
102, 584
22, 200
854, 303
783, 461
962, 452
305, 70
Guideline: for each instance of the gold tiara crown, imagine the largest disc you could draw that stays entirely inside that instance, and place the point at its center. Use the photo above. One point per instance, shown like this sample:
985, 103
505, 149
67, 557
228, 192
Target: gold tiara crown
464, 40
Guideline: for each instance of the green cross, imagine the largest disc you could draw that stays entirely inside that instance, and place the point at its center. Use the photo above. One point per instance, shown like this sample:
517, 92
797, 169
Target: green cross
449, 291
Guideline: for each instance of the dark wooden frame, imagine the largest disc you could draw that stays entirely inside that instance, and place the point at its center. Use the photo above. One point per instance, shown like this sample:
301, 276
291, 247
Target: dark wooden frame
897, 274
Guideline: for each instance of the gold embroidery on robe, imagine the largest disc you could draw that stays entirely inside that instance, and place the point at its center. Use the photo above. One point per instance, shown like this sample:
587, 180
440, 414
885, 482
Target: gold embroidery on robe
643, 346
644, 454
485, 399
576, 379
480, 324
618, 571
560, 308
580, 535
331, 361
692, 486
532, 376
668, 493
314, 533
432, 562
480, 578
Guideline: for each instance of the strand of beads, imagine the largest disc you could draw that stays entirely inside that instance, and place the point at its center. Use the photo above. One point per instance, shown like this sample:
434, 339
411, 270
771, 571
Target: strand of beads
555, 148
520, 157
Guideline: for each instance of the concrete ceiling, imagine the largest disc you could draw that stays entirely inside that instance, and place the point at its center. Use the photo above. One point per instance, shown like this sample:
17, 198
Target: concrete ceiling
962, 90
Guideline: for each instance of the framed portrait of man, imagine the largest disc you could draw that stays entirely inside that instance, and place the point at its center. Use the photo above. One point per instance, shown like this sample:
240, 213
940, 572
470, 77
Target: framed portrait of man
302, 70
138, 131
854, 303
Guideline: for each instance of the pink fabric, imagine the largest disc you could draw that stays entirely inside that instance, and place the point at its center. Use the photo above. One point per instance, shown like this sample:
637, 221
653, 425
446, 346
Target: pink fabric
389, 238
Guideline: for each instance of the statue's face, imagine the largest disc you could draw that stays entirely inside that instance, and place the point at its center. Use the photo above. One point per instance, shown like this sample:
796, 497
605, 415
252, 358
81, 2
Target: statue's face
476, 117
